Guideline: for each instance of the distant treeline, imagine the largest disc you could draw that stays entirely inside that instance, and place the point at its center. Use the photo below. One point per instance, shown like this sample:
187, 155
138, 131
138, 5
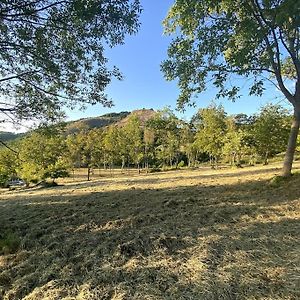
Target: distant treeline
164, 141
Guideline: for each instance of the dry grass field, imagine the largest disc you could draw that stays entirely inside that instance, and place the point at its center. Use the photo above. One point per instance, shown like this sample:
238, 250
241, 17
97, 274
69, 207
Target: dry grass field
201, 234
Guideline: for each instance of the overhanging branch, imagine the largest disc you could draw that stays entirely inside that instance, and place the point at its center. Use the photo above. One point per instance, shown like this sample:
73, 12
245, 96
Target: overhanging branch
8, 147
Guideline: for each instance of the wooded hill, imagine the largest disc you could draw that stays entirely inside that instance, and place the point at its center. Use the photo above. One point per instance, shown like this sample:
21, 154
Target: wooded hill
120, 119
6, 136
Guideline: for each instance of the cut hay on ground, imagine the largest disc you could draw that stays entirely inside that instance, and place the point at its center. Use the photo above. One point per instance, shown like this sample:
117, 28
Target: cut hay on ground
227, 234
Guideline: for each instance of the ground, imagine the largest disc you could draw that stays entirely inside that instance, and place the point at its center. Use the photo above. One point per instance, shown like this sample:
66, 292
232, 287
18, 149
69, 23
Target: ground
189, 234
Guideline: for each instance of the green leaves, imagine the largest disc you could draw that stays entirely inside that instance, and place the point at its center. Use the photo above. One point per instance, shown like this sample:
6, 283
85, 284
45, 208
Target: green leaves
215, 40
42, 155
271, 130
55, 51
211, 130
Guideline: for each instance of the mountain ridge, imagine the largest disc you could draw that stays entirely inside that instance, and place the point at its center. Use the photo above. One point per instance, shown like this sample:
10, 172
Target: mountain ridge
118, 119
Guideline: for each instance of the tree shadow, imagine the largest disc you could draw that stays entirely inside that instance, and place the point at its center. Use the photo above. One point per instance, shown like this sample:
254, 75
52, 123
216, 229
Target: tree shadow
220, 242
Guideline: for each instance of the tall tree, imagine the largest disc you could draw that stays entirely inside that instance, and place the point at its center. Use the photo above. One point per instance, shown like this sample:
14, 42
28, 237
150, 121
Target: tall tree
85, 149
270, 131
164, 125
186, 139
234, 143
210, 132
134, 135
111, 151
52, 53
42, 155
251, 38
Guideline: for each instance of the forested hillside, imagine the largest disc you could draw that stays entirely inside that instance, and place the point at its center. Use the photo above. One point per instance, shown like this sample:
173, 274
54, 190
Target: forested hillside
96, 122
8, 136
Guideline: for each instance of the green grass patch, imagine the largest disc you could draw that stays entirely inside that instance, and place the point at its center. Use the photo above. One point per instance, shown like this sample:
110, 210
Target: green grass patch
9, 243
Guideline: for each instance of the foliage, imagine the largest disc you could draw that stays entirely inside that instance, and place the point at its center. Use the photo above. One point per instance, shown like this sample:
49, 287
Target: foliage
42, 155
211, 130
217, 39
271, 130
109, 146
181, 164
8, 165
234, 143
133, 132
165, 127
163, 141
52, 53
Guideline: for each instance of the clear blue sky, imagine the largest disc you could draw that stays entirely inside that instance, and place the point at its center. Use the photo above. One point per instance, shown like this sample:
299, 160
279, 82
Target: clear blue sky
144, 86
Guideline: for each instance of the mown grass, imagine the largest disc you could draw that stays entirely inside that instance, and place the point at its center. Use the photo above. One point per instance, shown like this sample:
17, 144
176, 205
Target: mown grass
227, 234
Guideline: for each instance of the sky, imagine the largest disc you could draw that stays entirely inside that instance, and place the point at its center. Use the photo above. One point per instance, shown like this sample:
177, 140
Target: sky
144, 86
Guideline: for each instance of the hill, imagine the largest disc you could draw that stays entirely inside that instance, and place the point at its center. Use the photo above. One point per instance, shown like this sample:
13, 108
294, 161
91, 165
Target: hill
119, 119
6, 136
95, 122
142, 114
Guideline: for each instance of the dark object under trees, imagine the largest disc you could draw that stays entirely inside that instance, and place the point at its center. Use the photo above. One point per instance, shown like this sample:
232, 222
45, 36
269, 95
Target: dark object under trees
52, 53
249, 38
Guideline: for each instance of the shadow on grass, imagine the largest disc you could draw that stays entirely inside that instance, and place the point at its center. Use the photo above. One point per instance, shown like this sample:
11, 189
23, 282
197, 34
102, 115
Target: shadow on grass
221, 242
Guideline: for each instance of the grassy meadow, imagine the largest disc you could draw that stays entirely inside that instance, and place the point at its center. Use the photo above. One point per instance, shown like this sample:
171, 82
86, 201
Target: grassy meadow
186, 234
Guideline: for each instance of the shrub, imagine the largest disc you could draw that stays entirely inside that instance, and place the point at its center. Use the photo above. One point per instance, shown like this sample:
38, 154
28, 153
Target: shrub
181, 164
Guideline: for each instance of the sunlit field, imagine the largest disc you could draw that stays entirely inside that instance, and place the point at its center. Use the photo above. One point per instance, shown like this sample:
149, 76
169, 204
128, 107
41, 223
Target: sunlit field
185, 234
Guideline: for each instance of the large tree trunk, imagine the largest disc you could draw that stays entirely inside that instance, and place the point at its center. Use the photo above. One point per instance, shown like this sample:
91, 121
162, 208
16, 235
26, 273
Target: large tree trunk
289, 155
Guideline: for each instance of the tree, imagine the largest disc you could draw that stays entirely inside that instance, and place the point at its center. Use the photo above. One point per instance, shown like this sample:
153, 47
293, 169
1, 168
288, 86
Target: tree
111, 152
134, 136
85, 149
164, 126
217, 40
210, 132
149, 142
8, 165
123, 145
42, 155
187, 143
52, 53
234, 142
270, 131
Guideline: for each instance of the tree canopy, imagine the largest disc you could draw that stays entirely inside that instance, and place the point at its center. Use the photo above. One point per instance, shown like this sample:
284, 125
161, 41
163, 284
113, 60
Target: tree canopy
221, 38
52, 53
218, 40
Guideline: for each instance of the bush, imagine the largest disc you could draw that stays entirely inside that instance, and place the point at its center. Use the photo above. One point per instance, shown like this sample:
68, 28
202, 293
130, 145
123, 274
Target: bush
3, 179
181, 164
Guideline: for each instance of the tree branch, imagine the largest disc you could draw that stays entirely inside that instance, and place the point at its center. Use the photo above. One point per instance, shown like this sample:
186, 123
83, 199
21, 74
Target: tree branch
276, 66
18, 75
37, 10
6, 146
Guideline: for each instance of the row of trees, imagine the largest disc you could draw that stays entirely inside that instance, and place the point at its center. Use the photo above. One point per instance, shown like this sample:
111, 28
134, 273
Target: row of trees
163, 141
52, 53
